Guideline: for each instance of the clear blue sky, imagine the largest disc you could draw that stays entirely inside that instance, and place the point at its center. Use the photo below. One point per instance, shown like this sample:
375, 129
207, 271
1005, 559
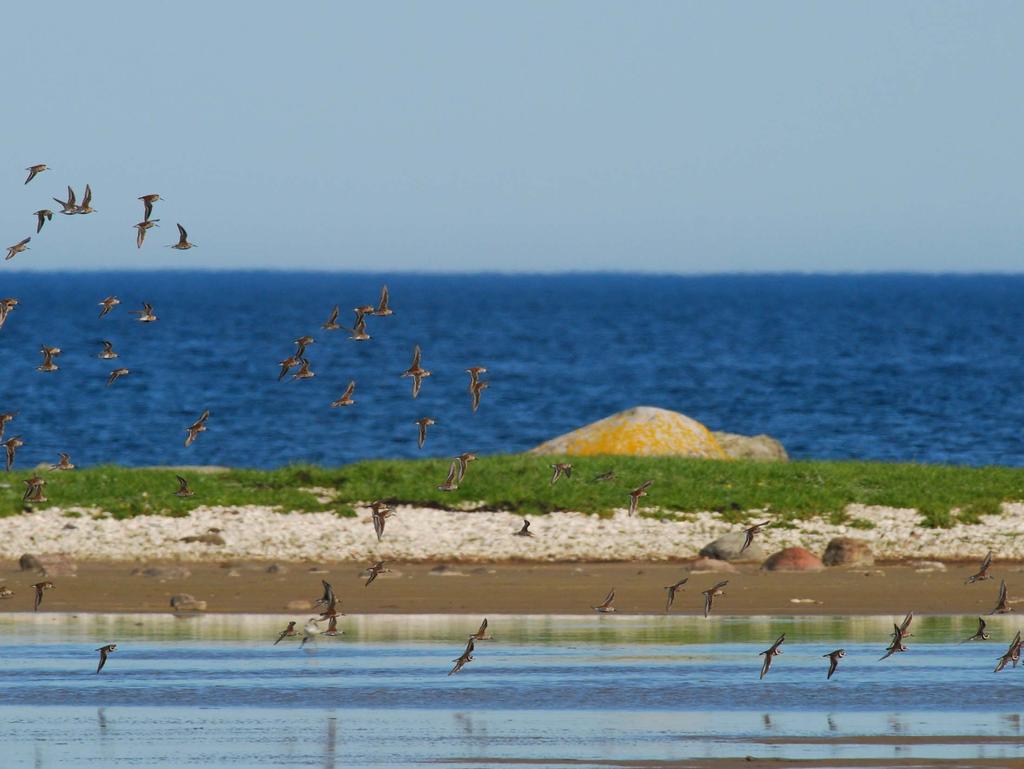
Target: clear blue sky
683, 137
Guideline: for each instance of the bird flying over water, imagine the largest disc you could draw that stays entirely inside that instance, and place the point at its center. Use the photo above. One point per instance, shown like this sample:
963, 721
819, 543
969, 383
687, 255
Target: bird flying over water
6, 305
481, 634
1002, 602
43, 215
423, 423
416, 371
346, 397
86, 205
982, 573
711, 593
108, 351
11, 445
331, 324
183, 244
671, 592
39, 587
328, 597
4, 419
147, 202
304, 372
49, 353
376, 570
183, 489
770, 653
897, 644
199, 426
117, 374
35, 170
750, 532
332, 626
980, 634
476, 392
1012, 654
635, 494
382, 308
465, 658
145, 314
105, 651
833, 661
559, 469
287, 632
109, 304
17, 248
605, 607
525, 531
474, 375
141, 229
358, 331
310, 630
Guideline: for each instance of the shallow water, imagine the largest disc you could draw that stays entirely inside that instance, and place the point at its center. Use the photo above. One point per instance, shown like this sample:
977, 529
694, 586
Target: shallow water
212, 690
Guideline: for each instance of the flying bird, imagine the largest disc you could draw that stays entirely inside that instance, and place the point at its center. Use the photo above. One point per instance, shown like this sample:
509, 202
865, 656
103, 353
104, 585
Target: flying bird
199, 426
68, 206
376, 570
328, 597
980, 634
49, 353
382, 307
5, 592
304, 372
463, 459
332, 626
145, 314
147, 202
671, 592
331, 324
465, 658
117, 374
380, 512
525, 531
86, 206
17, 248
6, 306
346, 397
897, 644
476, 392
416, 371
64, 462
109, 304
310, 630
105, 651
450, 483
635, 494
141, 229
474, 375
11, 445
39, 587
43, 215
1002, 603
833, 661
481, 634
108, 351
34, 490
4, 419
423, 423
770, 653
711, 593
358, 331
605, 607
559, 469
608, 475
982, 573
750, 532
183, 489
286, 633
182, 244
1012, 654
35, 170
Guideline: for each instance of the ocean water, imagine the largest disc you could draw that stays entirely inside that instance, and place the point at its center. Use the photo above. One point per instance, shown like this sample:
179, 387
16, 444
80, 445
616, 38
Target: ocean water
547, 692
910, 368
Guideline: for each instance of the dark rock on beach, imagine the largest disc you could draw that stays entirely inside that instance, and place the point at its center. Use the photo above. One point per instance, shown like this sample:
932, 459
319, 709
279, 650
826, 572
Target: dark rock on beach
727, 548
29, 562
846, 551
793, 559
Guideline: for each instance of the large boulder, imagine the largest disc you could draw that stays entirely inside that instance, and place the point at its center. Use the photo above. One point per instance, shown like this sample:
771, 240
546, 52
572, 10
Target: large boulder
29, 562
846, 551
793, 559
727, 548
760, 448
640, 431
186, 602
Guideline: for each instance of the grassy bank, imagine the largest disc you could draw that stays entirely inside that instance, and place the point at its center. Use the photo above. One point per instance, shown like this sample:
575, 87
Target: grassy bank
521, 483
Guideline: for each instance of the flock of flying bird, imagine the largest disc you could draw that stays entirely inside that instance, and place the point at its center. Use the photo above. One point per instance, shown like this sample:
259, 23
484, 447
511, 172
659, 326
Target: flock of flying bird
380, 511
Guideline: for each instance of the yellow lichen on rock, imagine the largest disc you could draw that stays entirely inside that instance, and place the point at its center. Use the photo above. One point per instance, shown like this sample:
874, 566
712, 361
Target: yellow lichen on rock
641, 431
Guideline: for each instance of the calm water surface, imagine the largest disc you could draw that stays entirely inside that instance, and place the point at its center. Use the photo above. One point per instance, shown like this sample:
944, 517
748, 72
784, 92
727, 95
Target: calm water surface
549, 690
876, 367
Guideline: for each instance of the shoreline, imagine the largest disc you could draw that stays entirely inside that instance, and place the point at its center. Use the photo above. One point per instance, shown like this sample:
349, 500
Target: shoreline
247, 587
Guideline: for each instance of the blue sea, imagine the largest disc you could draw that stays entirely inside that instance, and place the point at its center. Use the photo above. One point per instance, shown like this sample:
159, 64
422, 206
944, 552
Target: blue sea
895, 367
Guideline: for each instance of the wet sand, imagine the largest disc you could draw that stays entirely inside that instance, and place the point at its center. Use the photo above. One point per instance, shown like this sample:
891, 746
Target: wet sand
509, 588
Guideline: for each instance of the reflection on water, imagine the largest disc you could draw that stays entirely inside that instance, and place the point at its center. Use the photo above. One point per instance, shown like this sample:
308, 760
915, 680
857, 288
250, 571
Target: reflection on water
212, 690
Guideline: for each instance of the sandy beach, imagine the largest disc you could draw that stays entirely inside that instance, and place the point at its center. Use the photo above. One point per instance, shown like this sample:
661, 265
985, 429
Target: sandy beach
509, 588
